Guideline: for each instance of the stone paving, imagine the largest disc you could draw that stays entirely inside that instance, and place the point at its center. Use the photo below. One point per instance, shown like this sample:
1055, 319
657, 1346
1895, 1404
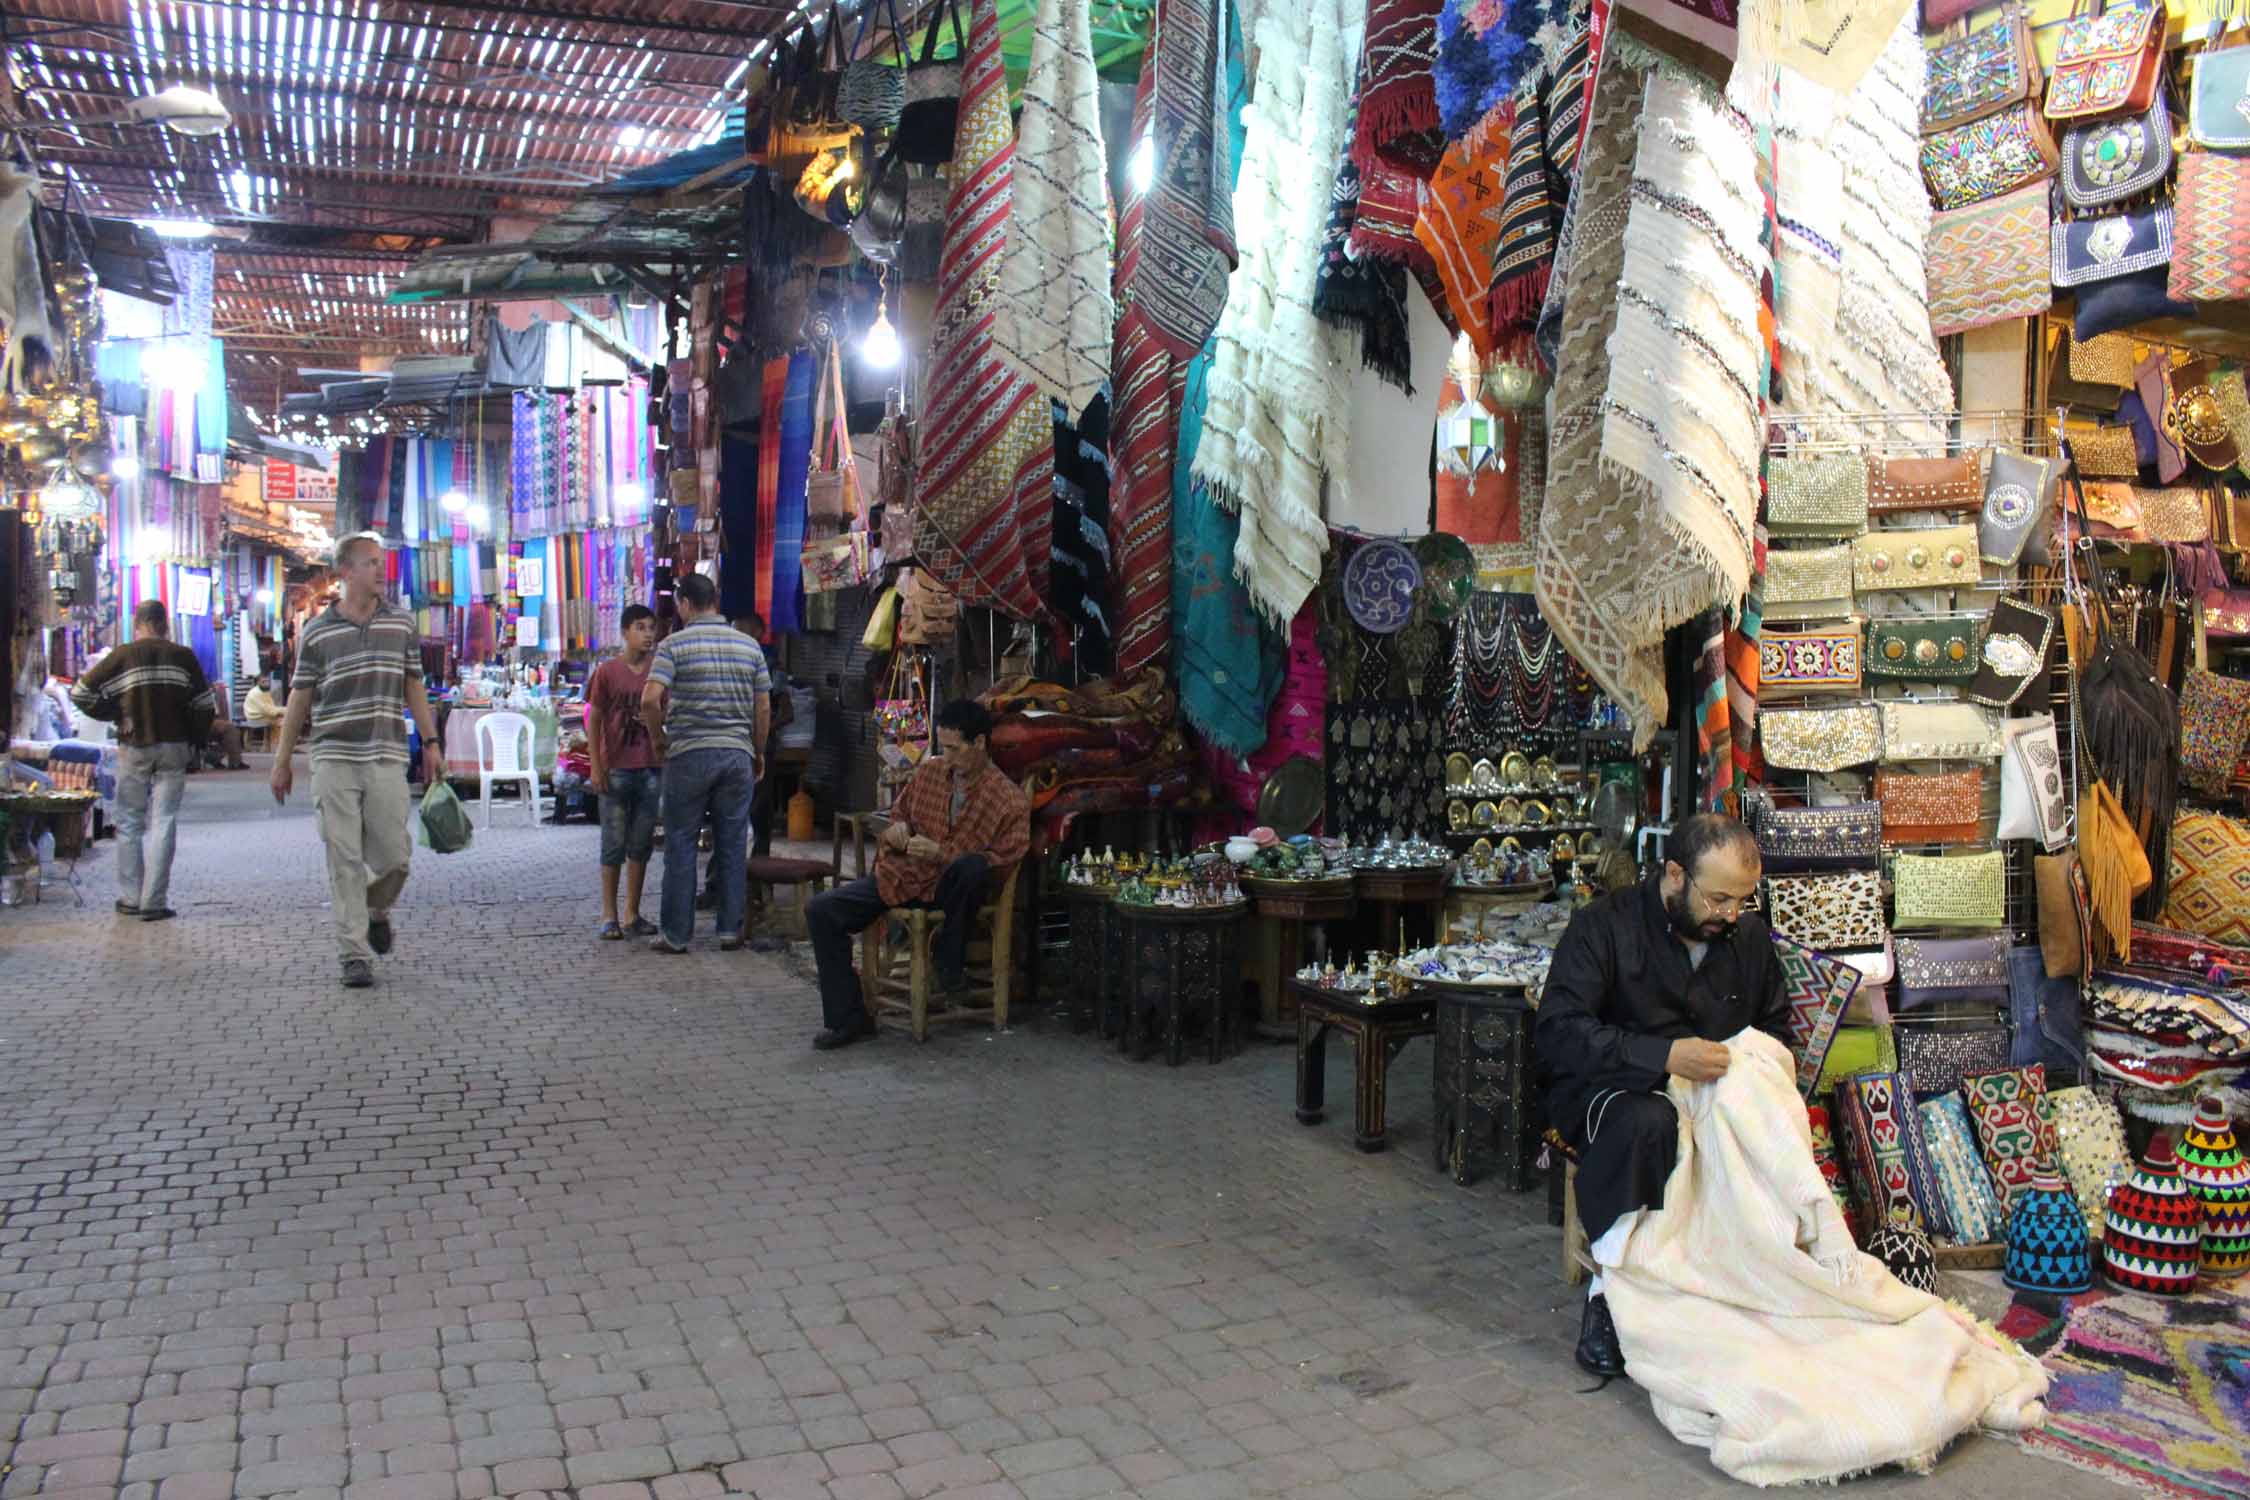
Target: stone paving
545, 1215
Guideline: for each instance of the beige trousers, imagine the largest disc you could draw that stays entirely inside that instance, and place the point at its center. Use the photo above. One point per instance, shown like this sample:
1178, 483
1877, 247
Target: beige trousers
363, 813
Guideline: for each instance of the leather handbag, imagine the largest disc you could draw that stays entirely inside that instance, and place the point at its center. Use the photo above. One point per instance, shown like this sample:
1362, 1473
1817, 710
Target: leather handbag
1947, 808
2014, 655
2058, 887
1931, 970
2214, 722
873, 92
2034, 803
1938, 731
1935, 557
2107, 161
2108, 63
1955, 483
1808, 583
832, 481
1817, 497
2211, 229
928, 612
1828, 912
2118, 266
1821, 739
2018, 490
2216, 88
1988, 261
2112, 509
1970, 163
1982, 73
1924, 648
1814, 838
931, 100
1950, 890
804, 121
1819, 658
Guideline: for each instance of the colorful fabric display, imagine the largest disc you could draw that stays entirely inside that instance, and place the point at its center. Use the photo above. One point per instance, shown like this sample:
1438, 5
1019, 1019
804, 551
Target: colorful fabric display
1882, 1141
1831, 1169
2048, 1249
2218, 1179
2009, 1108
2153, 1241
1957, 1172
1818, 988
2090, 1137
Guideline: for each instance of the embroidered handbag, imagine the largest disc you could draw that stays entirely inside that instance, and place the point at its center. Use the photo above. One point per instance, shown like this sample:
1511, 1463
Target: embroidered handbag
2017, 491
1988, 262
2101, 359
2090, 1140
1969, 968
2008, 1107
2033, 804
1881, 1139
1924, 648
2210, 865
1933, 557
2216, 89
1936, 1058
2175, 513
873, 92
1939, 731
2117, 266
2211, 229
1827, 911
1947, 808
1818, 988
1821, 739
1957, 1171
1818, 658
1808, 583
1955, 483
1814, 838
1824, 496
2108, 161
2107, 63
2104, 452
837, 562
931, 96
2214, 722
1969, 163
1950, 890
2226, 614
2014, 654
1982, 73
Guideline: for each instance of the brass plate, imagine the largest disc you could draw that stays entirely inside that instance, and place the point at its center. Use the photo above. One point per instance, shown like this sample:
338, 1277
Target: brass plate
1485, 815
1515, 768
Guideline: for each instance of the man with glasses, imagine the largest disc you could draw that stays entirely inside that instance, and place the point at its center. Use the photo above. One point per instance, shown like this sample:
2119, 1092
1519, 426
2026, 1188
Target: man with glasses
1646, 984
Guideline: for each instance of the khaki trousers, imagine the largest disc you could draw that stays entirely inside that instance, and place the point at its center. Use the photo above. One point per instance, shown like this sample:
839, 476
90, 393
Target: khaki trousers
363, 813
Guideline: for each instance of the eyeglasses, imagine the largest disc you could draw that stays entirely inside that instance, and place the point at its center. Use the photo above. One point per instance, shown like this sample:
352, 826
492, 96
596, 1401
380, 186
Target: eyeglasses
1732, 904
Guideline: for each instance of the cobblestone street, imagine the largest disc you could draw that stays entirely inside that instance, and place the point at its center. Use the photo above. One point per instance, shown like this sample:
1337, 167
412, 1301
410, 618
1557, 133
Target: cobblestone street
543, 1214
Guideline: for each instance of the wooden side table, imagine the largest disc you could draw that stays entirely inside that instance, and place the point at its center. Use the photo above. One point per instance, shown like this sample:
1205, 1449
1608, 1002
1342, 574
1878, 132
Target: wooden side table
1481, 1085
1285, 908
1178, 961
1378, 1030
1097, 984
1392, 891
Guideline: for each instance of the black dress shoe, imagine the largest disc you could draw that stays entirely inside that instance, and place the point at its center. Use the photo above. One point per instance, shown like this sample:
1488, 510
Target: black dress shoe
1598, 1353
379, 934
829, 1041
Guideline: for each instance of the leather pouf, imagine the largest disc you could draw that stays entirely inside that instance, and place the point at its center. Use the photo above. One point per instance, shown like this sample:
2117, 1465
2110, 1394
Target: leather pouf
2218, 1178
2154, 1237
2048, 1250
1903, 1246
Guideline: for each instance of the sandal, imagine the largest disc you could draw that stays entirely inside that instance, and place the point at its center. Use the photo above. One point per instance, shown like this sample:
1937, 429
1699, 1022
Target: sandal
642, 927
612, 933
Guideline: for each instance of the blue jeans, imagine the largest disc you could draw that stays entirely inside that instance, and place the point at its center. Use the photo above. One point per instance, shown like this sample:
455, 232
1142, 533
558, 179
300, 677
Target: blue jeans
150, 780
720, 781
2045, 1013
629, 815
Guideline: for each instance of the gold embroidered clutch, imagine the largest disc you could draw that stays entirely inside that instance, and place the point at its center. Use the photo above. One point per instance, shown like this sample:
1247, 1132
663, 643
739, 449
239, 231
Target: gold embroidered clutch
1808, 583
1936, 557
2105, 359
1955, 483
2105, 452
1816, 658
2177, 513
1938, 731
1950, 890
1823, 496
1944, 809
1821, 739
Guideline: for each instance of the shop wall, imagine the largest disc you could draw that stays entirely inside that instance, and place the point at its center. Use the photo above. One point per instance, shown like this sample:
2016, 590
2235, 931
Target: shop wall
1390, 478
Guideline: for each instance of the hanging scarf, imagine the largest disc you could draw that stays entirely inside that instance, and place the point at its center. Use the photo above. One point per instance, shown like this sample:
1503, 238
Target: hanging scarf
1714, 733
987, 459
785, 560
1398, 107
1459, 223
1052, 320
1279, 416
1366, 296
773, 390
1080, 570
1542, 163
1175, 249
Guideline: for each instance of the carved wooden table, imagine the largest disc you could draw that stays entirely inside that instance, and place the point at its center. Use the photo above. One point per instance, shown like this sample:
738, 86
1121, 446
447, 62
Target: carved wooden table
1421, 891
1096, 986
1285, 908
1178, 961
1377, 1030
1486, 1112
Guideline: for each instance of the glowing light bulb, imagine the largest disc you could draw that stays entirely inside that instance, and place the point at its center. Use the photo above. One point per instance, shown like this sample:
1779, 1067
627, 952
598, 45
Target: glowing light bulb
124, 466
453, 502
265, 596
480, 516
1140, 167
881, 347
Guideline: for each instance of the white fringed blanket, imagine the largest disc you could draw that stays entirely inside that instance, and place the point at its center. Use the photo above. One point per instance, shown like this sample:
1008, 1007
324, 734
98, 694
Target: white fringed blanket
1761, 1333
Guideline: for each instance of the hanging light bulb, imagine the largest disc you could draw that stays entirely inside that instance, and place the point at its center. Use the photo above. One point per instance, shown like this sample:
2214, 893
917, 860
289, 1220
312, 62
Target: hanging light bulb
124, 466
1140, 167
265, 596
480, 516
880, 348
453, 502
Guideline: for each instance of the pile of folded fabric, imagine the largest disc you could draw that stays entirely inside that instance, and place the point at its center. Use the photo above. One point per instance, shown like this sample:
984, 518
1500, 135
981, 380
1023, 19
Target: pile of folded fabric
2171, 1024
1110, 745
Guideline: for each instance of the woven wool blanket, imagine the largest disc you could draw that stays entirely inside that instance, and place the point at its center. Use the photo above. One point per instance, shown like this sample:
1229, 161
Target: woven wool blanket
1398, 106
1763, 1335
1052, 321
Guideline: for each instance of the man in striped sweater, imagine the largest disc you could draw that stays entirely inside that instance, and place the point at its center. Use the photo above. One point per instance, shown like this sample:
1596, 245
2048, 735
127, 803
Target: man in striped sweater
155, 692
359, 673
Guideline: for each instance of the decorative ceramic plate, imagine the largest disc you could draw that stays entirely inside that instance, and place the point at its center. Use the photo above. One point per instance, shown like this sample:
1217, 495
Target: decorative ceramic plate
1565, 848
1511, 811
1543, 774
1486, 815
1291, 800
1515, 768
1379, 585
1457, 769
1485, 778
1535, 813
1449, 574
1457, 816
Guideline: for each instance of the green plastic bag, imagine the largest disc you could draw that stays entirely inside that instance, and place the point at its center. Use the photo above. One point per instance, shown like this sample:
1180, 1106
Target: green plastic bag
445, 822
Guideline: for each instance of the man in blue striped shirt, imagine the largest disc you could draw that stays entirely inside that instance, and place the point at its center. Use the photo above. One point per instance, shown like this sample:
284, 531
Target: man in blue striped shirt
706, 700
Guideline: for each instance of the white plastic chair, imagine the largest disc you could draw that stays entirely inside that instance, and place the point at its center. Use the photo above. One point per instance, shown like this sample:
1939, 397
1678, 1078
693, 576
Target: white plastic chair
504, 755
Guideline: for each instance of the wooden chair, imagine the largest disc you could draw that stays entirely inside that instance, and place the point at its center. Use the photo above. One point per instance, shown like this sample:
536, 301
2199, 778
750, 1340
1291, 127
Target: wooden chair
990, 967
764, 875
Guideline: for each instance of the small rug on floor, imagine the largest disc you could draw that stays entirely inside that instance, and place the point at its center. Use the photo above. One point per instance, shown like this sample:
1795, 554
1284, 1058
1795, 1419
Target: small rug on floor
2152, 1392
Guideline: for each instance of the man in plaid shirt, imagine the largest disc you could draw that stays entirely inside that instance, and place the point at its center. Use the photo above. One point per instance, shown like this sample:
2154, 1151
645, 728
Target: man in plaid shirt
958, 826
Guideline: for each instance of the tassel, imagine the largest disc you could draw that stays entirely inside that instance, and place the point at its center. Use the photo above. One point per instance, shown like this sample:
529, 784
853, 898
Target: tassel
1516, 301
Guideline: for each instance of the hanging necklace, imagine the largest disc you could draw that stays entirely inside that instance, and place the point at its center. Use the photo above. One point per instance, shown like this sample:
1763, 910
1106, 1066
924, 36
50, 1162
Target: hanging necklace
1480, 648
1533, 676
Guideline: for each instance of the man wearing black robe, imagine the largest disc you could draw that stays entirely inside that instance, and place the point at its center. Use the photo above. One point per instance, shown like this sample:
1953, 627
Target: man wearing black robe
1647, 982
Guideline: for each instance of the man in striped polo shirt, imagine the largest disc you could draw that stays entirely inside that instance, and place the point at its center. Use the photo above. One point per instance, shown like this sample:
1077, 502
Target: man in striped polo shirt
706, 700
162, 704
359, 672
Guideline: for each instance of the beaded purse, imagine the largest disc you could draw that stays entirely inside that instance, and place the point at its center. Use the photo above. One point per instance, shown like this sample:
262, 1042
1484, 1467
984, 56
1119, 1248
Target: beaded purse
1947, 808
1958, 890
1924, 648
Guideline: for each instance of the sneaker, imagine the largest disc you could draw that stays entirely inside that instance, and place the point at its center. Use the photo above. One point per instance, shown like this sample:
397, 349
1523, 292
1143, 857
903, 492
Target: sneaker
612, 933
359, 974
660, 944
157, 913
127, 909
379, 934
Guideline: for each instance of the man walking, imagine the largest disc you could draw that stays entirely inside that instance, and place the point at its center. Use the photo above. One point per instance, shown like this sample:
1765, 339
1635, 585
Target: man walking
359, 673
155, 692
627, 772
706, 702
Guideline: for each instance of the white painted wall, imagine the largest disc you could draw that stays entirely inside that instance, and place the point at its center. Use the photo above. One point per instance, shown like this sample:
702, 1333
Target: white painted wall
1390, 488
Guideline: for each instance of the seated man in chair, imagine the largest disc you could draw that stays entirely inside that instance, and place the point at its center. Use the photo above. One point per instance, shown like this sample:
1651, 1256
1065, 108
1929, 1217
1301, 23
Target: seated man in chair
959, 825
1645, 981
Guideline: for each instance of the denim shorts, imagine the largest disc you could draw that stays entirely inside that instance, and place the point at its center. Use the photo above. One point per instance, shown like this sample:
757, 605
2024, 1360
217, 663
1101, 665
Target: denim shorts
629, 816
